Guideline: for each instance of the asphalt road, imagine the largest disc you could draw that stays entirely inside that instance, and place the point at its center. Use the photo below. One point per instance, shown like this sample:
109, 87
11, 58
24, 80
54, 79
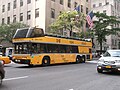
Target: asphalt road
59, 77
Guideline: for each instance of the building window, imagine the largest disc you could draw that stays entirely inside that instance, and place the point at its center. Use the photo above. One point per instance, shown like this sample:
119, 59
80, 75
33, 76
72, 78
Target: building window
28, 15
14, 4
100, 4
86, 0
104, 11
75, 4
60, 12
3, 8
14, 18
115, 42
86, 10
81, 8
53, 0
8, 6
69, 3
8, 20
112, 41
3, 21
61, 2
94, 5
107, 3
36, 12
21, 3
28, 1
52, 13
21, 16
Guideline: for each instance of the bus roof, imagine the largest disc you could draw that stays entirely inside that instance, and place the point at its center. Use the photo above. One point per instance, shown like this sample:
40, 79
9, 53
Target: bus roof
37, 36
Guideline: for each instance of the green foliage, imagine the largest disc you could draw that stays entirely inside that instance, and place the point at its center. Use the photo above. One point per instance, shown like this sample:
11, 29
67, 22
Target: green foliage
87, 34
104, 26
67, 21
8, 30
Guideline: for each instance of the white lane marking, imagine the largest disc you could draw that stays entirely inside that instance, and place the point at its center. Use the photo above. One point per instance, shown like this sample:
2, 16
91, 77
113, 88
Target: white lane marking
70, 89
15, 78
92, 61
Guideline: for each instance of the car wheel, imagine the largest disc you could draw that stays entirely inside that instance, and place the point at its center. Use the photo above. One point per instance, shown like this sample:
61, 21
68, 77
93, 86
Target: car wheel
0, 79
99, 70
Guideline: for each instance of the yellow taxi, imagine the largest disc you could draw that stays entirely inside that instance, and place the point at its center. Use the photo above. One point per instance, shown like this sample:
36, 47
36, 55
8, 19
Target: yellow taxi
5, 59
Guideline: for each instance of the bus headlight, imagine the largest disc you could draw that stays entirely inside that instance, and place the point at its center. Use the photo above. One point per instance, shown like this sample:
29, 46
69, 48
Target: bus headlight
17, 60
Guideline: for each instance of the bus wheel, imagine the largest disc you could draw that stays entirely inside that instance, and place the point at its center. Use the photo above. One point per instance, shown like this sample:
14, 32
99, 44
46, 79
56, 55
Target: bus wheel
46, 61
84, 59
78, 59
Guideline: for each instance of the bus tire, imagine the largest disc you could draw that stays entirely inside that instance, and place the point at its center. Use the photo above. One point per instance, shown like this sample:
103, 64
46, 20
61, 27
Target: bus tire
78, 59
46, 61
84, 59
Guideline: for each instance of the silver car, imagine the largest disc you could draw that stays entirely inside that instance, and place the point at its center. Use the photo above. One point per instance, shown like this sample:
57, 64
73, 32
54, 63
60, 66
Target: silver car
109, 61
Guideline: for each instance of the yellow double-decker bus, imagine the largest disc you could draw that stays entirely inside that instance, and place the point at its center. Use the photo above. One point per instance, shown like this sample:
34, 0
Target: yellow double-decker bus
33, 47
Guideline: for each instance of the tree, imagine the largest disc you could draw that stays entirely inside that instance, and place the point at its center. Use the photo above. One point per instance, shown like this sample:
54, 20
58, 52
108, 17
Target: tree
8, 30
104, 26
68, 21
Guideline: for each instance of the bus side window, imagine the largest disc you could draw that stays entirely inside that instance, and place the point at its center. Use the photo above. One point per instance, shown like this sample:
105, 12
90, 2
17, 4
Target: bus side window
62, 49
68, 49
49, 48
56, 49
74, 49
43, 48
34, 48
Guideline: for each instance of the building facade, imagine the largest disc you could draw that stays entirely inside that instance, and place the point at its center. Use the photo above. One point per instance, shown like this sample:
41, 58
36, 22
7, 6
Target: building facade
110, 8
39, 13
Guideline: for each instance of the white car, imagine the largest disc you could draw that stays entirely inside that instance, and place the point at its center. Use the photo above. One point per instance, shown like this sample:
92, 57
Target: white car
109, 61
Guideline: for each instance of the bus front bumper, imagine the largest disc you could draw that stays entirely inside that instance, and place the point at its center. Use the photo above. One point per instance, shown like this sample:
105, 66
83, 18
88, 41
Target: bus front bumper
26, 61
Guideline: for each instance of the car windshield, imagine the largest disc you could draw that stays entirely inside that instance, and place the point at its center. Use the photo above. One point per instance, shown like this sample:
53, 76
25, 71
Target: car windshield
115, 53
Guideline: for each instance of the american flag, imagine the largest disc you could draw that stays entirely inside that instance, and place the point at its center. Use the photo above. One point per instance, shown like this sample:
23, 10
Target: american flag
77, 8
89, 19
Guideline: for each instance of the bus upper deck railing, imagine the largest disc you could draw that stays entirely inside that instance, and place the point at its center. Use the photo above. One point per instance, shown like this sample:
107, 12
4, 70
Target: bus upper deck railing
74, 38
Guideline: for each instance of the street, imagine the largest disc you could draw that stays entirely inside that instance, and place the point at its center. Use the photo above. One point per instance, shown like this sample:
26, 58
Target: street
81, 76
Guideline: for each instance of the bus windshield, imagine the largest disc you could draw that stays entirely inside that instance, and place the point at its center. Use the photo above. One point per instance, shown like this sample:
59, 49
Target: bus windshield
29, 32
22, 48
